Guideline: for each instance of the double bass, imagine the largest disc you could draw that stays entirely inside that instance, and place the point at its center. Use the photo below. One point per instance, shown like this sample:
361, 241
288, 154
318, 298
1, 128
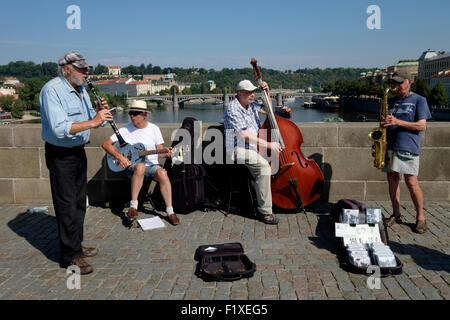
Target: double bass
298, 181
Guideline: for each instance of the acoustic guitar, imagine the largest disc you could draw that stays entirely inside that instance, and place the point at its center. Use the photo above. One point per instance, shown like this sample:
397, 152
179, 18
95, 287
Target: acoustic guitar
135, 153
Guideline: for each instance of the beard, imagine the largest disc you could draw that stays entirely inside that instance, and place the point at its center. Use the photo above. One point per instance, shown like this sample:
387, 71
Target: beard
77, 80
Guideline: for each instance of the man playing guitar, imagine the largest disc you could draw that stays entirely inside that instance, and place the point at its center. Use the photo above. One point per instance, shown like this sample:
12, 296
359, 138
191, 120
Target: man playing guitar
139, 130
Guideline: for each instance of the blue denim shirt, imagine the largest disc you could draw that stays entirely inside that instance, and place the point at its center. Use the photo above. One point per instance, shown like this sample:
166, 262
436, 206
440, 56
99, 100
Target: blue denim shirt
61, 106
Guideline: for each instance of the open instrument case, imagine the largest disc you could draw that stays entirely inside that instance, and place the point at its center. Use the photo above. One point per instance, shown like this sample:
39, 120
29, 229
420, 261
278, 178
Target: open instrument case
350, 266
223, 262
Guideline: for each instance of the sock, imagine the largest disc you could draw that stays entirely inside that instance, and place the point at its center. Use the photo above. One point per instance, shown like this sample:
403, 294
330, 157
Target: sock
169, 210
134, 204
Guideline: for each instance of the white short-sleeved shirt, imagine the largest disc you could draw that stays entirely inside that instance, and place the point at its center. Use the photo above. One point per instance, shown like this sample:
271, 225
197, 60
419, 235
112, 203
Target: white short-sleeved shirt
150, 136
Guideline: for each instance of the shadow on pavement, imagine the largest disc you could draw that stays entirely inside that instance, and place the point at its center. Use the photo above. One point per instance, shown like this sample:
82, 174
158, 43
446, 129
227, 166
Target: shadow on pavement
426, 258
40, 230
325, 236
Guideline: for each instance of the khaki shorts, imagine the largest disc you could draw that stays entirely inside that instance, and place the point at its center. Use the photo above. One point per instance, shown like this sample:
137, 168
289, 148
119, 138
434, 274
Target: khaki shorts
402, 162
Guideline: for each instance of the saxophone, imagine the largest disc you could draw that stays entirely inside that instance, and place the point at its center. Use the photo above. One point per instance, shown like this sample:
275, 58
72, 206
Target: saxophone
378, 136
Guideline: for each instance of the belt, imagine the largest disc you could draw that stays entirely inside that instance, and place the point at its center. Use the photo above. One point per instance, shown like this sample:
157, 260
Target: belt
52, 146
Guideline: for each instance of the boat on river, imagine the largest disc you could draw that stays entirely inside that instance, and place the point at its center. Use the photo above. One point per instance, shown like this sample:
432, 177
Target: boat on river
309, 105
327, 102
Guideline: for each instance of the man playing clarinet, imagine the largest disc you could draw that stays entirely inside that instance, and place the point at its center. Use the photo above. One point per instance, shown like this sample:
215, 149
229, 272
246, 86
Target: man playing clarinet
67, 117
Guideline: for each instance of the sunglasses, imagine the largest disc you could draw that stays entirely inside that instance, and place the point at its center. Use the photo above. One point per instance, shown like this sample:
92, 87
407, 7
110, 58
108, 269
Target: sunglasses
134, 113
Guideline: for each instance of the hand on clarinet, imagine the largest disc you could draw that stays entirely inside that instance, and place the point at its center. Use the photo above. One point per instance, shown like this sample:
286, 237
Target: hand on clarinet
104, 104
102, 115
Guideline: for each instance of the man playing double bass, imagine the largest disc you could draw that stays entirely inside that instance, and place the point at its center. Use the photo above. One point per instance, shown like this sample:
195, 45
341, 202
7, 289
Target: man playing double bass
241, 122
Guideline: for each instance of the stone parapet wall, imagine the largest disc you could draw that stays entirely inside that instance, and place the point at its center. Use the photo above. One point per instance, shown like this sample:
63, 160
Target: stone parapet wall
341, 149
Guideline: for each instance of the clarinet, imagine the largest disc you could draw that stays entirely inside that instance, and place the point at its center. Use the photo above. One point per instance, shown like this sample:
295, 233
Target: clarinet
113, 125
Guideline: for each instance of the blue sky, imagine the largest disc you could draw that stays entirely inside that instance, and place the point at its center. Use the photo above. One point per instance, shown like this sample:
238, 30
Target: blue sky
281, 34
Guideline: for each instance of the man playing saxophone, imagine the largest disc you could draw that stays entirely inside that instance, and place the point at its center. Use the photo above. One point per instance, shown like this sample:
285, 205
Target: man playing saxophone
406, 119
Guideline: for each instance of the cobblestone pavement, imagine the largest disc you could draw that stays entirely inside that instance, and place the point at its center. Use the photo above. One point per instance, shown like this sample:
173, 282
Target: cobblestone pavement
298, 259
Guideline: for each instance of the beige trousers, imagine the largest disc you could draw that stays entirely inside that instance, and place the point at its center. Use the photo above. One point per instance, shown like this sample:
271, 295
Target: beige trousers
260, 170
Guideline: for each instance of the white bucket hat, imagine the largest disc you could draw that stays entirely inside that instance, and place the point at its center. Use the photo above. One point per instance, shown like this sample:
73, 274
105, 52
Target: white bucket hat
138, 105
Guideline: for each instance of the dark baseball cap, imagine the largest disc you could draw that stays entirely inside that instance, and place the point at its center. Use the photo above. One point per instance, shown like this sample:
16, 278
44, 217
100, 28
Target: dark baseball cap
400, 76
75, 58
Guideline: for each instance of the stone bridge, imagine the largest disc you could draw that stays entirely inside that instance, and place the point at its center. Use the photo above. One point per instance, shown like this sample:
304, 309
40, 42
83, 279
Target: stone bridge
178, 100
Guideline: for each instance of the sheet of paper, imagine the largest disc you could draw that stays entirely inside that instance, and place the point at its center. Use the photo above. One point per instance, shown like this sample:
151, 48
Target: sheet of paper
344, 230
364, 234
151, 223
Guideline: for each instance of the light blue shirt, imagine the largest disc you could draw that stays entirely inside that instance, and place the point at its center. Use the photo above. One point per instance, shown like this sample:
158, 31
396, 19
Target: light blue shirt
61, 106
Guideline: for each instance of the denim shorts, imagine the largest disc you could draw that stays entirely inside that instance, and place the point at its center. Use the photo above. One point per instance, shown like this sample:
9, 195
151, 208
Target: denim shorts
150, 171
402, 162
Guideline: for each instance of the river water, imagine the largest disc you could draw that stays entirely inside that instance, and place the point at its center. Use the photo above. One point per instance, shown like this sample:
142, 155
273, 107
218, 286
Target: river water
214, 113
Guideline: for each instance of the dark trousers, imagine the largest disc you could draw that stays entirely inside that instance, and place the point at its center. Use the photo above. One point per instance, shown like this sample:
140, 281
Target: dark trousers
68, 182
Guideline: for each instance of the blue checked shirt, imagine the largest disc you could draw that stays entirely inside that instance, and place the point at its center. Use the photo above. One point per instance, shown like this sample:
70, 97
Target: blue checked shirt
237, 118
61, 106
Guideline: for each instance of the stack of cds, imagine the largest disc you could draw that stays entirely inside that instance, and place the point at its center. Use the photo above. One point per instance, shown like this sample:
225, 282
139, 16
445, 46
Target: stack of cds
373, 215
358, 254
350, 216
382, 255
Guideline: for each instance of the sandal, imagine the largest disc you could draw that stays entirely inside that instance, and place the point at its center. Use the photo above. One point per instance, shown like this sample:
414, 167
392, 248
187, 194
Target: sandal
393, 219
421, 227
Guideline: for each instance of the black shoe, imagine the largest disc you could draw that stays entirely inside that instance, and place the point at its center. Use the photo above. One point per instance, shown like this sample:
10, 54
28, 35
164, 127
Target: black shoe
268, 218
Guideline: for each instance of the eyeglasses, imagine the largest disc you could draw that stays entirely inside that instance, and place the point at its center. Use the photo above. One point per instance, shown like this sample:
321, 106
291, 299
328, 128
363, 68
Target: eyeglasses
246, 92
134, 113
81, 70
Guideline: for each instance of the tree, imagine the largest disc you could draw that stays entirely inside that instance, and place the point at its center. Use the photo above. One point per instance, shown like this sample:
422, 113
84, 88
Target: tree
157, 70
17, 109
421, 87
29, 93
149, 69
6, 103
131, 70
196, 89
142, 69
438, 95
101, 69
186, 90
204, 88
49, 69
173, 88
